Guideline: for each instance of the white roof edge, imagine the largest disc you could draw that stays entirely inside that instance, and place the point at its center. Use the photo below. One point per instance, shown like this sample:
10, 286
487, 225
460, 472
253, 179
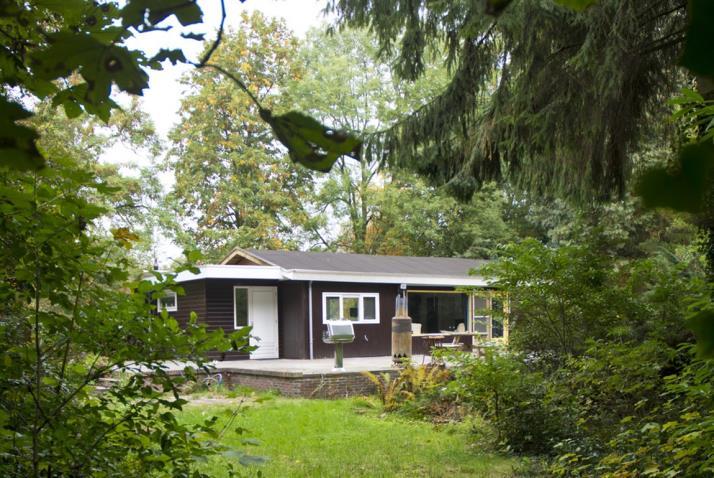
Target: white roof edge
228, 271
220, 271
387, 278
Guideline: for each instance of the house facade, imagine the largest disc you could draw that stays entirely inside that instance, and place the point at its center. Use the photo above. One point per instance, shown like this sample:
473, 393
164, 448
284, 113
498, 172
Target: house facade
287, 297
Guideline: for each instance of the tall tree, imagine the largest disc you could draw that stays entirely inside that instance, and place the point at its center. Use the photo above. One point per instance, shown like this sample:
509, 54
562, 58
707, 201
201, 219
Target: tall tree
234, 184
555, 100
349, 88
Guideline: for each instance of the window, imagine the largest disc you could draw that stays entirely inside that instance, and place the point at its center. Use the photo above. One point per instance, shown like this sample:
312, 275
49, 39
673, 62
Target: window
357, 307
240, 307
439, 312
167, 302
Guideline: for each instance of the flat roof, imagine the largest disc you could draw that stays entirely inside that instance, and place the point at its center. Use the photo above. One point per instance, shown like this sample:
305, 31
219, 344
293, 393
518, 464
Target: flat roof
341, 267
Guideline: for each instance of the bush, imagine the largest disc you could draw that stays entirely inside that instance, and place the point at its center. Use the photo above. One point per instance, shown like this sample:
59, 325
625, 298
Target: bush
670, 435
527, 413
414, 391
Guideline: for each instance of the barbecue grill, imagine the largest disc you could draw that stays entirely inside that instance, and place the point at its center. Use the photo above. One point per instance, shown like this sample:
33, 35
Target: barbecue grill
339, 332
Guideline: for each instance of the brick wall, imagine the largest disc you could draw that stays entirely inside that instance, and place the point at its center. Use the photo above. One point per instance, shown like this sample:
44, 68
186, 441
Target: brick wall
330, 385
308, 386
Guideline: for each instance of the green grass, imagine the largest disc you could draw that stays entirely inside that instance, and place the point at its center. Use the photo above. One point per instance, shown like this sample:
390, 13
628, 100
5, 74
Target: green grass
348, 438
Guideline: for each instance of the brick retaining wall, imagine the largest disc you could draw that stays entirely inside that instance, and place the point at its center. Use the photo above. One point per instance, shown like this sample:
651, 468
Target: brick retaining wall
298, 384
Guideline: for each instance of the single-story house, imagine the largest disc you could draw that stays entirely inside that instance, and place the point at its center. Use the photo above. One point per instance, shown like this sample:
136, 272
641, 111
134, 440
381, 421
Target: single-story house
287, 296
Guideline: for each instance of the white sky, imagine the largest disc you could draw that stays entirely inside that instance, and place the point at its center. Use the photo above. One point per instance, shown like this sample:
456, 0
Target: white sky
162, 99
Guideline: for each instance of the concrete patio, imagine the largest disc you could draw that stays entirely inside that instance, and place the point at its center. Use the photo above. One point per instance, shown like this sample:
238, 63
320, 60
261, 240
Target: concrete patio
297, 367
300, 378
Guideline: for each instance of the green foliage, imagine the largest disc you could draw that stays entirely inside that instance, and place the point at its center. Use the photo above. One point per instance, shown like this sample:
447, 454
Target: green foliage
686, 188
665, 431
520, 404
611, 63
697, 46
70, 317
411, 389
234, 185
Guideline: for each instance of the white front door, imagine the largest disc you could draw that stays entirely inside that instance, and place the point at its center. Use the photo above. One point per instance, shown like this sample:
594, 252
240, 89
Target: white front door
263, 316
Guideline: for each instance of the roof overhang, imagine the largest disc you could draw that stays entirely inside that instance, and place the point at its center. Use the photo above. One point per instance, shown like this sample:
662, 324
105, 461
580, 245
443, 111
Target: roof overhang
278, 273
232, 272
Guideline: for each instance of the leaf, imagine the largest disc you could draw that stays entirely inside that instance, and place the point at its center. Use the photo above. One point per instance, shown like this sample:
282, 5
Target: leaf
137, 12
577, 5
683, 190
309, 142
173, 55
702, 324
193, 36
124, 237
697, 55
17, 142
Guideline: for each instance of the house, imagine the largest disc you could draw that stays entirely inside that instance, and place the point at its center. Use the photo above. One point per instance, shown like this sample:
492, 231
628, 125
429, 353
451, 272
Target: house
287, 296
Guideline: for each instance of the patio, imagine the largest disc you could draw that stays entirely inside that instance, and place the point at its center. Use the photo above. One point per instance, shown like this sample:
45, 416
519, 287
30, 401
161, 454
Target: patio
300, 378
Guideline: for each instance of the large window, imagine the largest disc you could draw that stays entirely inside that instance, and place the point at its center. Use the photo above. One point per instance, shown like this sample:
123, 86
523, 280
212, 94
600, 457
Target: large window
439, 311
240, 307
167, 302
358, 307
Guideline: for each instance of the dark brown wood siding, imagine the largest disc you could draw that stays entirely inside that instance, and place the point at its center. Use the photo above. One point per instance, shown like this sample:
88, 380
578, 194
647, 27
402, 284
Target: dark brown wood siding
194, 300
292, 320
219, 307
370, 339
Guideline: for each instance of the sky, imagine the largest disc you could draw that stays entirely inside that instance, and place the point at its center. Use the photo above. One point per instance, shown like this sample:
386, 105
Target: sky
162, 99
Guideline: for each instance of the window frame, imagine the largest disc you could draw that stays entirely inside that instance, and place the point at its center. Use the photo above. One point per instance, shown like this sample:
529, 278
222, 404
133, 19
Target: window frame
235, 308
360, 296
167, 293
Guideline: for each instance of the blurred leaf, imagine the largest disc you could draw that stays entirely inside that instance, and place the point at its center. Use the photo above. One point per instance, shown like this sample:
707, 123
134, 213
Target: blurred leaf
124, 237
684, 189
137, 12
17, 142
702, 324
697, 54
309, 142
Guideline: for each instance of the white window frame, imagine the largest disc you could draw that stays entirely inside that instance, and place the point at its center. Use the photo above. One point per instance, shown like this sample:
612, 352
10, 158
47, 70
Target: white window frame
235, 310
360, 296
168, 293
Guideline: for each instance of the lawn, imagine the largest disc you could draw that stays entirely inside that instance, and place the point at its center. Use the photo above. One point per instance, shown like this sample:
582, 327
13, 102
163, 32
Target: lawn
348, 438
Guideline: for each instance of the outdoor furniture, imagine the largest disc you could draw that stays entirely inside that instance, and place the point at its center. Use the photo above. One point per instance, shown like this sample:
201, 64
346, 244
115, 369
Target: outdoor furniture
430, 341
455, 343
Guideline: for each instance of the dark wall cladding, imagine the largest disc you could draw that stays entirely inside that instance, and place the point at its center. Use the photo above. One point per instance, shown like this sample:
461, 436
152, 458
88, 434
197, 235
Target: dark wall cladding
194, 300
370, 339
292, 320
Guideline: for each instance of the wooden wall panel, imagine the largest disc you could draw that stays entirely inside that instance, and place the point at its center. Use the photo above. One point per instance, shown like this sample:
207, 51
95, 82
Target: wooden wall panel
370, 339
292, 320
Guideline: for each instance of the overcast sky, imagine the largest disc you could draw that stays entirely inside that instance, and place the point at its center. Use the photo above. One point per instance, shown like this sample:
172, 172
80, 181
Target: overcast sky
162, 100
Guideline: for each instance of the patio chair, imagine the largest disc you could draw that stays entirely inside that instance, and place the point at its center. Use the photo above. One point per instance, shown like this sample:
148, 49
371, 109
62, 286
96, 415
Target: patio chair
455, 344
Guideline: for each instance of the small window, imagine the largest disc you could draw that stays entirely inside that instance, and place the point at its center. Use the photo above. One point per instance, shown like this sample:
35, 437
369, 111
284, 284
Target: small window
240, 307
356, 307
167, 302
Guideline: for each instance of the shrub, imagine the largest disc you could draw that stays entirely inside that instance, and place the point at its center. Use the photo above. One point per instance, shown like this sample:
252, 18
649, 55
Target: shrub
527, 414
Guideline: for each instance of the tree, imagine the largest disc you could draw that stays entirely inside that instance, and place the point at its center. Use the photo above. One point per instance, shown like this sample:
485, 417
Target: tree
234, 185
535, 95
413, 218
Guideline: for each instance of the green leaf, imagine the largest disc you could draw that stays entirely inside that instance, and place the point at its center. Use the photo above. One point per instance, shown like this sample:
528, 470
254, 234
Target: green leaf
136, 12
577, 5
697, 55
173, 55
684, 189
702, 324
17, 142
309, 142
